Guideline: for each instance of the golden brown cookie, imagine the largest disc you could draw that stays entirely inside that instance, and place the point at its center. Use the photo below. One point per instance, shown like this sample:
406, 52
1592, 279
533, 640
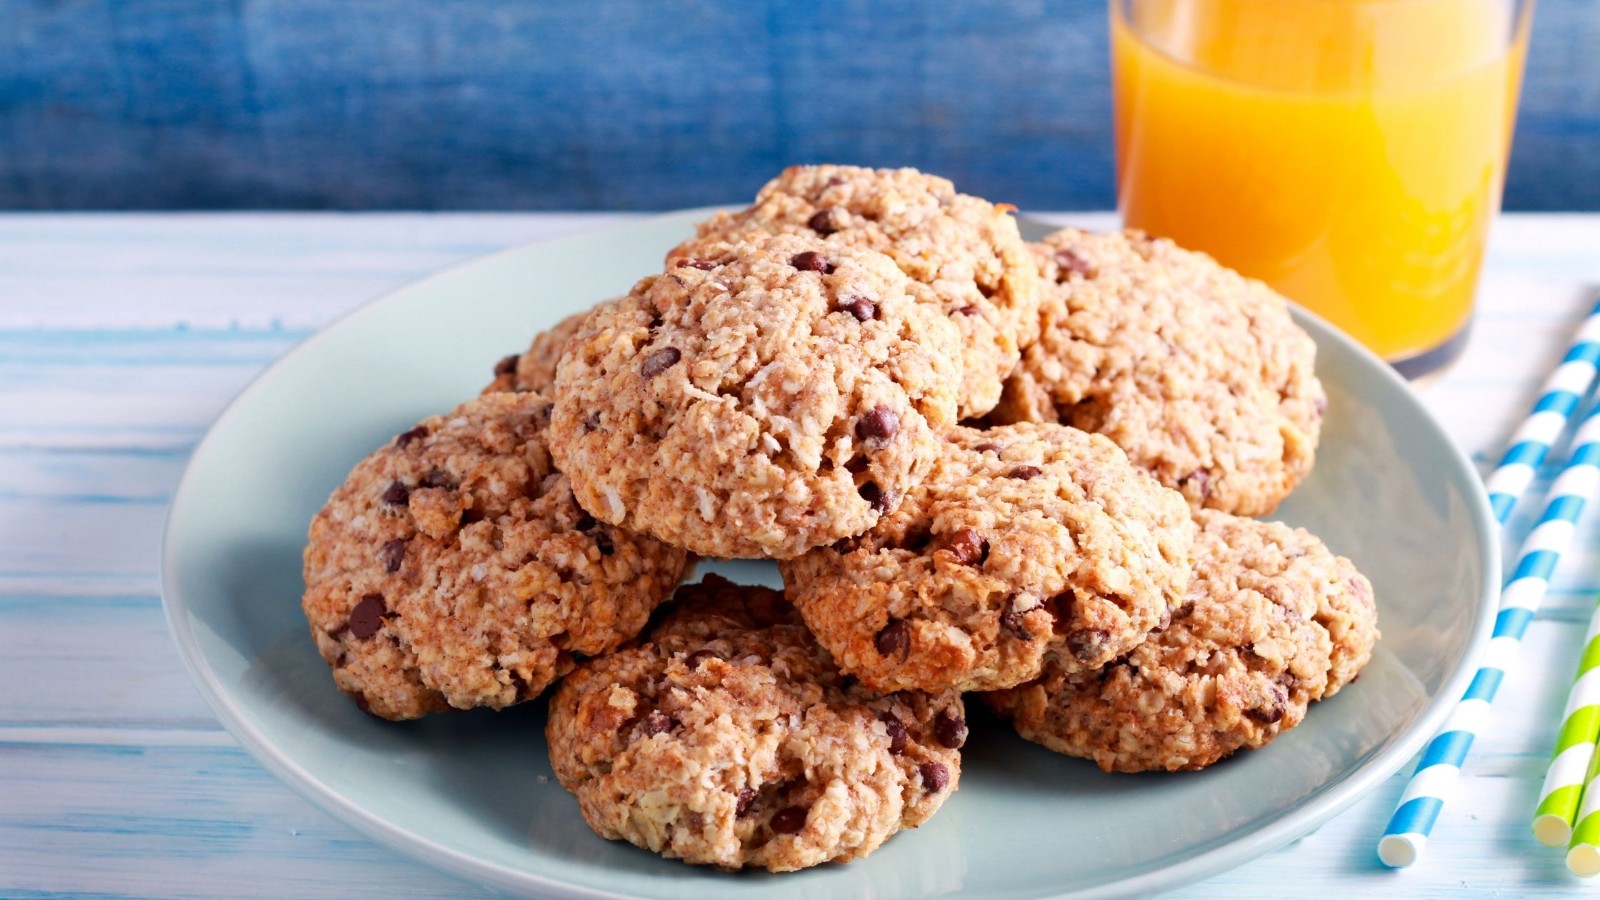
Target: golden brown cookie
963, 254
453, 568
534, 369
730, 739
1198, 373
1273, 622
757, 402
1025, 542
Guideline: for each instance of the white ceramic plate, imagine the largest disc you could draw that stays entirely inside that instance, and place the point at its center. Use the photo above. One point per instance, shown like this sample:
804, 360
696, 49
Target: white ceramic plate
471, 793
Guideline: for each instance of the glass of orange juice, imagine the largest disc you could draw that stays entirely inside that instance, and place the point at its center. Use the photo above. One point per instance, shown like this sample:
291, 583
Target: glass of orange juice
1348, 152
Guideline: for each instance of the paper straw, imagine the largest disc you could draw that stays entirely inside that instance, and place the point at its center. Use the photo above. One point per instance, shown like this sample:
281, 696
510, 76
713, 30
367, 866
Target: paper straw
1440, 766
1583, 857
1575, 744
1559, 397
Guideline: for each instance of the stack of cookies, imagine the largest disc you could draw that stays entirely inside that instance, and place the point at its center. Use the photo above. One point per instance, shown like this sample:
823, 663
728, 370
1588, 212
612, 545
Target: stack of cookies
982, 466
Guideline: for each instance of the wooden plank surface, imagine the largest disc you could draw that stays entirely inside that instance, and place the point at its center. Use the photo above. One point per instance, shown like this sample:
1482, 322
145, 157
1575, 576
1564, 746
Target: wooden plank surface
121, 338
611, 104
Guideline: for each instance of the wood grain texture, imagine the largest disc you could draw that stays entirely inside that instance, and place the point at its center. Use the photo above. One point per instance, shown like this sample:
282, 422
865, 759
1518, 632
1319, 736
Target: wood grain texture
122, 337
610, 104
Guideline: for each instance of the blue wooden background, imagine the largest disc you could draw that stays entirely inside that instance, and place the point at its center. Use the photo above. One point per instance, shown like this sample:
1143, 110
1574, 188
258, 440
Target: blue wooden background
610, 104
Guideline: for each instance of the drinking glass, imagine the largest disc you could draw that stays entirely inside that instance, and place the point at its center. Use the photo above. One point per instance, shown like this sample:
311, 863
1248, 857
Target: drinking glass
1350, 153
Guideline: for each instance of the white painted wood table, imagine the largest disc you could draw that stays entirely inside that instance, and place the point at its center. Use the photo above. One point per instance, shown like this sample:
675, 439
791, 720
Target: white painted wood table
122, 337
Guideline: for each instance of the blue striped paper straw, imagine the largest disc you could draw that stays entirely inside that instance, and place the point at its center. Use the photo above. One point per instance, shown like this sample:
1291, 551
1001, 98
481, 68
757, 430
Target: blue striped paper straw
1560, 396
1441, 761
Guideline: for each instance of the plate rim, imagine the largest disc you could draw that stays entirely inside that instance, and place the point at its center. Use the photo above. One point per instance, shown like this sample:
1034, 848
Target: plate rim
1329, 802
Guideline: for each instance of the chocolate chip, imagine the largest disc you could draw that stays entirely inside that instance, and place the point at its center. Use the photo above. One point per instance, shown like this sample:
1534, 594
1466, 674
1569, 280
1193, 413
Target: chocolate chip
592, 422
439, 478
700, 656
894, 639
968, 547
968, 310
660, 361
1086, 643
1011, 620
406, 437
878, 425
1071, 263
519, 685
585, 523
950, 730
1270, 715
821, 221
988, 447
367, 617
789, 820
704, 265
747, 799
658, 722
342, 661
935, 777
811, 261
393, 554
506, 366
896, 730
397, 494
1025, 472
863, 309
881, 501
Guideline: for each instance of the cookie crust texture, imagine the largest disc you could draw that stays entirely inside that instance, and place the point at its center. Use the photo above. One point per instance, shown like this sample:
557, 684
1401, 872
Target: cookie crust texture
1274, 621
454, 569
1197, 372
756, 400
730, 739
963, 254
534, 369
1026, 542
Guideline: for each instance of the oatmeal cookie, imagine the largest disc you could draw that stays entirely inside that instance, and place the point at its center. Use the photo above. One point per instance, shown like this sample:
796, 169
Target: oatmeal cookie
454, 568
963, 254
534, 369
1273, 622
1197, 372
758, 402
730, 739
1025, 542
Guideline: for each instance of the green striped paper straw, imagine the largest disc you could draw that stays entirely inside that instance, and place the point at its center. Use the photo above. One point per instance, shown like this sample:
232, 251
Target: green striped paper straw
1583, 857
1575, 748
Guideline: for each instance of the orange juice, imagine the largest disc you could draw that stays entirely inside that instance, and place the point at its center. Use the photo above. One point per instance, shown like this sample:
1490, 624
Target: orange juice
1348, 152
